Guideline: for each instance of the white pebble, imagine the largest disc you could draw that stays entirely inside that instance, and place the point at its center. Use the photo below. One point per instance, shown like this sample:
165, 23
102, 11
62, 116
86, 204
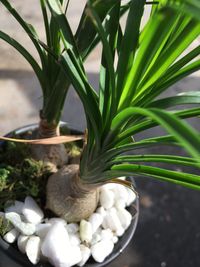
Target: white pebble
57, 220
101, 250
21, 243
120, 203
32, 211
131, 197
57, 248
101, 211
125, 217
106, 234
115, 239
17, 207
42, 229
120, 192
74, 255
85, 231
33, 249
56, 239
96, 237
72, 228
107, 198
23, 228
108, 186
113, 222
85, 254
11, 236
74, 239
96, 220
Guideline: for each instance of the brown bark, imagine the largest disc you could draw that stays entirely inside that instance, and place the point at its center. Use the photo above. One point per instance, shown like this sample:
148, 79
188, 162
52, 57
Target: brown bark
53, 155
70, 198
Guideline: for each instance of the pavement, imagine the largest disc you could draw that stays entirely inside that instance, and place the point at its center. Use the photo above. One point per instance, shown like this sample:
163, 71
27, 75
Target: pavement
168, 234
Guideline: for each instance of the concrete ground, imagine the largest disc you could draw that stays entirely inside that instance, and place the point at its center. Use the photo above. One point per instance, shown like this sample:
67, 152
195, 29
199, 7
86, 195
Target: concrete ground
20, 100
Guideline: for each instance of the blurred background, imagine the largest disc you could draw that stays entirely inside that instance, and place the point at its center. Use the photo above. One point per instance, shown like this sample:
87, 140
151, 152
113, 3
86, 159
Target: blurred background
168, 233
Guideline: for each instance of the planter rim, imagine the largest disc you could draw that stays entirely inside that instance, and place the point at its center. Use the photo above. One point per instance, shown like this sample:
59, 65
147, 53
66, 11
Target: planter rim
13, 252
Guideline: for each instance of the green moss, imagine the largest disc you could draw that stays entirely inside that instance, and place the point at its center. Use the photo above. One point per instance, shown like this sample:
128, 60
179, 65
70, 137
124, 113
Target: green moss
13, 153
5, 226
21, 175
73, 149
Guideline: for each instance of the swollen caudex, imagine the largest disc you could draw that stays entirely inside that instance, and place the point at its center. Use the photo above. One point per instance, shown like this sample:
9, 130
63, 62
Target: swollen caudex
64, 243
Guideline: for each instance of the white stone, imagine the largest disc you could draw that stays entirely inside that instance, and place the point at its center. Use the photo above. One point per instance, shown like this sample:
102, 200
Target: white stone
42, 229
104, 223
57, 220
55, 240
74, 239
120, 192
75, 255
33, 249
85, 231
85, 254
23, 228
96, 237
96, 220
57, 248
11, 236
125, 217
101, 211
32, 211
131, 197
72, 228
17, 207
21, 243
120, 203
106, 198
106, 234
108, 186
115, 239
101, 250
113, 222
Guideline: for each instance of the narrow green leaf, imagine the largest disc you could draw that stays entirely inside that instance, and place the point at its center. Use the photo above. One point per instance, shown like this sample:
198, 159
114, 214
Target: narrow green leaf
169, 159
180, 178
86, 28
187, 137
129, 43
181, 99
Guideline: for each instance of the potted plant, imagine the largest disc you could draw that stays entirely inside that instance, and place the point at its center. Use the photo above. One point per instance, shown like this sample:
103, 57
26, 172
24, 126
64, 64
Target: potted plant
136, 67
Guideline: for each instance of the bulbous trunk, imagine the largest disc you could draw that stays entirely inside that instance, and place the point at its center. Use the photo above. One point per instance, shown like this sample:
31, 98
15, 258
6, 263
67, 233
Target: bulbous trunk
53, 155
68, 197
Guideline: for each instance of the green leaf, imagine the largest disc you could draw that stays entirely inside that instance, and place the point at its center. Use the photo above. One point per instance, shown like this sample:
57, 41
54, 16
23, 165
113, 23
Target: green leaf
180, 178
108, 69
129, 43
169, 55
154, 37
146, 124
169, 159
180, 130
86, 27
181, 99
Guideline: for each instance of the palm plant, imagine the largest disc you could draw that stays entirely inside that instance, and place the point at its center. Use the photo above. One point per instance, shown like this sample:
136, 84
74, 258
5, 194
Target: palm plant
53, 81
137, 66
